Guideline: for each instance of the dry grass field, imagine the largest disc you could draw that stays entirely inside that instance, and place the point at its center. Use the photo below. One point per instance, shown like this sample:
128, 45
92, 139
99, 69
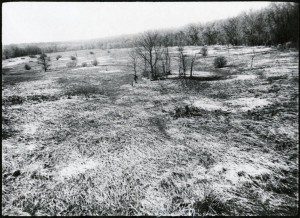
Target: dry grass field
84, 141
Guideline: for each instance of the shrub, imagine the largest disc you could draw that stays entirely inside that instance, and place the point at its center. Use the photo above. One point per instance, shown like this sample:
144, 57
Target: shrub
73, 58
40, 98
204, 51
145, 73
27, 67
58, 57
22, 58
95, 62
91, 52
43, 60
108, 51
13, 100
288, 45
43, 55
220, 62
32, 56
84, 89
84, 64
280, 47
71, 64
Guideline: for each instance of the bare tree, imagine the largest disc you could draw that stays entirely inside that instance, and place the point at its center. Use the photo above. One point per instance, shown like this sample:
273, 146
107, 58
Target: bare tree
252, 57
193, 59
193, 34
210, 34
182, 64
44, 61
133, 62
148, 48
165, 61
168, 61
231, 30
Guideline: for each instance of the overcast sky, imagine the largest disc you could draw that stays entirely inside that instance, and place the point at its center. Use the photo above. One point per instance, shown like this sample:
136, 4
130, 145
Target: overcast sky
24, 22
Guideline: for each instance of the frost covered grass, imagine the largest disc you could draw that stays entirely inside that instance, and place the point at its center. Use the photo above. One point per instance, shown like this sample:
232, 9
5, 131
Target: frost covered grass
87, 142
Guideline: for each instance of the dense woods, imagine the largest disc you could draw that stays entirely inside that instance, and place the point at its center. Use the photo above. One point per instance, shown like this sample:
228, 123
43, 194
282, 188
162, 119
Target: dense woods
276, 24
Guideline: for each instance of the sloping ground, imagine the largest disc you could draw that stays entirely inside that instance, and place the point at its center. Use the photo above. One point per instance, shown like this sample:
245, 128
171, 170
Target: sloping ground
87, 142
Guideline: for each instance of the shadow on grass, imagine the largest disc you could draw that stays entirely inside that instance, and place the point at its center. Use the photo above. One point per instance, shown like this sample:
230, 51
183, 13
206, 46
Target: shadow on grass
212, 205
13, 79
7, 125
95, 85
202, 78
15, 99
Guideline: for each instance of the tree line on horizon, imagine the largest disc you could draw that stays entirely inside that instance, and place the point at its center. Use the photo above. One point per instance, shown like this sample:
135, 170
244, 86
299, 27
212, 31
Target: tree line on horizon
276, 24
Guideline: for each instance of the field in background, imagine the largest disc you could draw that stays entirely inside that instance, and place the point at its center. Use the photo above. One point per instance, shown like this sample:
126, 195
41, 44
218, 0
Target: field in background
85, 141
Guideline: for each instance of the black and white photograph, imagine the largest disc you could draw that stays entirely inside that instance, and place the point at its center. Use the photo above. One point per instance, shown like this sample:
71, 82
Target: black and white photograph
185, 108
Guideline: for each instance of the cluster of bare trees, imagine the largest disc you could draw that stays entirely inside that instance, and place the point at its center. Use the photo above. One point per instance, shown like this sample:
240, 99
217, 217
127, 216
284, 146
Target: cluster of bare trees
277, 24
274, 25
151, 56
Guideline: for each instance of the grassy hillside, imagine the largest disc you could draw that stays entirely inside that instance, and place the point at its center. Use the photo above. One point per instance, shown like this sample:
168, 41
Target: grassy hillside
84, 141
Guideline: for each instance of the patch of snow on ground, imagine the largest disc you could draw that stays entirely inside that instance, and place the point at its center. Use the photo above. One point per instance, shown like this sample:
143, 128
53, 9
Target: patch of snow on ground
14, 62
77, 167
30, 128
248, 103
242, 77
203, 73
237, 173
209, 104
102, 71
31, 146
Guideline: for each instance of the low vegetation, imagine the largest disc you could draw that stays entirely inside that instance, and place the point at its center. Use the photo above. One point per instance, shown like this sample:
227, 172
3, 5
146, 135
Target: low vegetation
27, 67
204, 51
94, 62
277, 24
44, 60
157, 128
223, 142
220, 62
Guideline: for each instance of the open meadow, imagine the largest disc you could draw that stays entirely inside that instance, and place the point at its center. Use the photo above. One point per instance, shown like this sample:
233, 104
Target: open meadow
90, 141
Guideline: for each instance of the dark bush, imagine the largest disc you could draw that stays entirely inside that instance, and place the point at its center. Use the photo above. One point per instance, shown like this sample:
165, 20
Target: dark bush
84, 64
40, 98
71, 64
288, 45
32, 56
73, 58
27, 67
43, 55
13, 100
204, 51
220, 62
280, 47
43, 60
84, 89
145, 73
95, 62
58, 57
91, 52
